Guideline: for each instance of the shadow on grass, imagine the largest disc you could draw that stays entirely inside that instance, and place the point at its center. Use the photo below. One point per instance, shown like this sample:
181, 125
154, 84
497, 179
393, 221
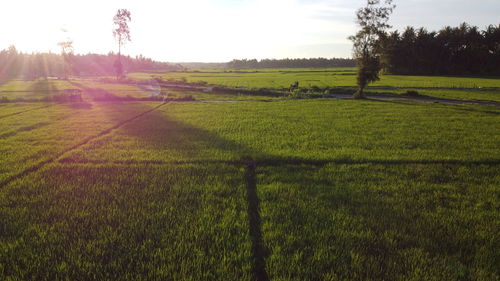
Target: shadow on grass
159, 132
43, 85
24, 129
255, 226
156, 131
184, 143
94, 93
374, 222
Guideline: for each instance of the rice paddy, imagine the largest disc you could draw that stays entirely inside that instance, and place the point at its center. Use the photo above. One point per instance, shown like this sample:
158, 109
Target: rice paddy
281, 189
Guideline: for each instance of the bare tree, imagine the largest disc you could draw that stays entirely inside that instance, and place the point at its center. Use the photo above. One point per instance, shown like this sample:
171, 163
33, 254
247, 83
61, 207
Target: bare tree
121, 32
372, 21
67, 52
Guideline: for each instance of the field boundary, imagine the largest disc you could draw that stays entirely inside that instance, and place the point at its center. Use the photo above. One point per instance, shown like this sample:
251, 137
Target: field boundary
53, 159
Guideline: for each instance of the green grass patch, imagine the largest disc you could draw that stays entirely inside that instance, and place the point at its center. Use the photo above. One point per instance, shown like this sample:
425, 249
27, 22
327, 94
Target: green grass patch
10, 109
339, 130
33, 137
339, 77
380, 222
126, 223
33, 89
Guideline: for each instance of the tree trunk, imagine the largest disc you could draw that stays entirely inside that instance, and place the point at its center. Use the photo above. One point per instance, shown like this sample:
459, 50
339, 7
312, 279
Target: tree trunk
360, 93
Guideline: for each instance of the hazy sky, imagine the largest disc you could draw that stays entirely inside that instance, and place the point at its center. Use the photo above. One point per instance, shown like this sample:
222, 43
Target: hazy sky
219, 30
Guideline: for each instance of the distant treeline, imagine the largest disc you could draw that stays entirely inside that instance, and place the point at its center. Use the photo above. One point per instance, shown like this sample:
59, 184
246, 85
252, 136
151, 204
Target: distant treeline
14, 64
292, 63
462, 50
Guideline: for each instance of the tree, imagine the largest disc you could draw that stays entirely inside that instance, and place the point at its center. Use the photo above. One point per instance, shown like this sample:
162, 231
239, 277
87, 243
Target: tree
67, 53
121, 32
372, 21
461, 50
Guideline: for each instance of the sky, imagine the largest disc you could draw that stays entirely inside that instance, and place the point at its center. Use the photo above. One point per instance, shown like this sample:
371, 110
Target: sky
219, 30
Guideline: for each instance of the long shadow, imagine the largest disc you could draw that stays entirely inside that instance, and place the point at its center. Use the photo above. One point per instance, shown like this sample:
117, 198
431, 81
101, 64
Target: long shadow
255, 225
44, 86
188, 144
94, 93
78, 105
54, 158
158, 132
24, 111
308, 201
103, 95
24, 129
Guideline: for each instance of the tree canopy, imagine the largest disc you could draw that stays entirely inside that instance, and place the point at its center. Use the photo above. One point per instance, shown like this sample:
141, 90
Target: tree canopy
121, 32
14, 64
291, 63
372, 21
462, 50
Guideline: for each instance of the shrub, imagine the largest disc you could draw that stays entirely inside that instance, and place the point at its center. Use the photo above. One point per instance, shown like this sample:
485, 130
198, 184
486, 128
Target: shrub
412, 93
304, 94
315, 89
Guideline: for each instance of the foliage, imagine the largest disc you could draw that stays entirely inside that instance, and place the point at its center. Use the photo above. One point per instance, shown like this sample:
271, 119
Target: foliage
412, 93
462, 50
290, 63
372, 21
14, 64
67, 52
121, 32
303, 94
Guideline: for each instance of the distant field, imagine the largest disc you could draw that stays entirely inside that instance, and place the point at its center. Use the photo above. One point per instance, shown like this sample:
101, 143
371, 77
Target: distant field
282, 78
487, 88
240, 187
90, 89
342, 80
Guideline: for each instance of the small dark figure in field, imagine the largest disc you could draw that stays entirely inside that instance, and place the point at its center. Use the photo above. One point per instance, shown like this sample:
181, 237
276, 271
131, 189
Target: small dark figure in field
294, 86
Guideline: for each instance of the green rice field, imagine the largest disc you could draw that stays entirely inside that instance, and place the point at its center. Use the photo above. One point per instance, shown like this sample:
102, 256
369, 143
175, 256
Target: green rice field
240, 187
